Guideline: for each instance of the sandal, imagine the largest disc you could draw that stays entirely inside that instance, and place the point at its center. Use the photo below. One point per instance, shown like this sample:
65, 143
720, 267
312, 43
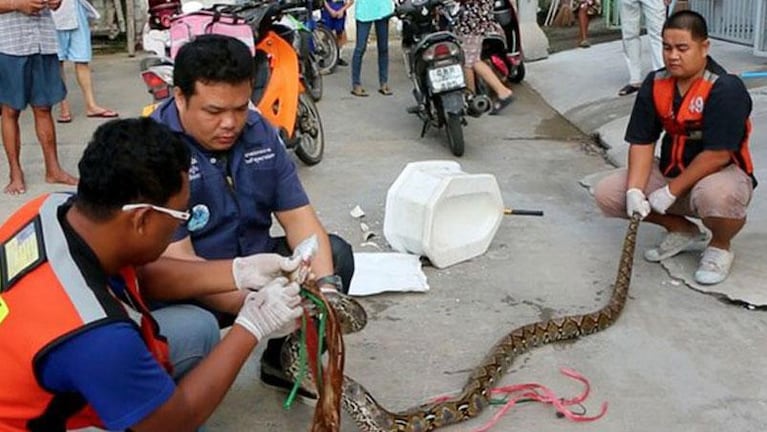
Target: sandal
385, 90
627, 90
584, 43
501, 104
359, 91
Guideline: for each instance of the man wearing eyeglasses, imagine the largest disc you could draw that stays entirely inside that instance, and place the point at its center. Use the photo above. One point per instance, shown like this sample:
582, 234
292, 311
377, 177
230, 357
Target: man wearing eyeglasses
78, 346
240, 176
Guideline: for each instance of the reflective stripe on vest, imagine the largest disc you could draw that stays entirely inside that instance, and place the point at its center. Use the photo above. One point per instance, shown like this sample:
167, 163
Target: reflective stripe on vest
690, 118
47, 305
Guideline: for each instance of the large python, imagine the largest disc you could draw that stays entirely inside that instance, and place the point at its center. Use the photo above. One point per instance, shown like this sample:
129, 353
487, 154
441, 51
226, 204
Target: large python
370, 416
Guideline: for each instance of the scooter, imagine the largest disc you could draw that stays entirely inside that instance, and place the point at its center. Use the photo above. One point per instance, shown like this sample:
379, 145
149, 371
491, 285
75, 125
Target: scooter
280, 93
297, 15
323, 45
434, 63
504, 51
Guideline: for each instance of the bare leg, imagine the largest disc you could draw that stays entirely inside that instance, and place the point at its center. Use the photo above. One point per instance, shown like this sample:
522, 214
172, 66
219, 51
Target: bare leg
723, 230
83, 72
583, 23
65, 111
46, 135
468, 73
487, 75
12, 144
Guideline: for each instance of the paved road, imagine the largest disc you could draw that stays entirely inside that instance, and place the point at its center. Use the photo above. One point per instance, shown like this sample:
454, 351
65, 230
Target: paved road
676, 360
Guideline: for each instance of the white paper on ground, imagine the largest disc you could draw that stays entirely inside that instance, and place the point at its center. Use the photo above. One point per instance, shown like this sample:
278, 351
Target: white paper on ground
378, 272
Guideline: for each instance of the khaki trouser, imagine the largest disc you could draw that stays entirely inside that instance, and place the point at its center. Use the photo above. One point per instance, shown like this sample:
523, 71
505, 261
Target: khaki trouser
724, 194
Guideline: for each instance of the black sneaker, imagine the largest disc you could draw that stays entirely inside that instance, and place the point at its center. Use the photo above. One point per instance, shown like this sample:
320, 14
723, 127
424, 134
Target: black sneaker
342, 62
274, 378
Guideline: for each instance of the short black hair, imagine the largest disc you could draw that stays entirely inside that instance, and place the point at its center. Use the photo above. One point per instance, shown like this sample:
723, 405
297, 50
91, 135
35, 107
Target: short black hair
690, 21
129, 161
212, 58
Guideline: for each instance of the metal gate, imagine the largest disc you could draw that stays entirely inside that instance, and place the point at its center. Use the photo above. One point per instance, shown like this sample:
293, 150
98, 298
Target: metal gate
730, 20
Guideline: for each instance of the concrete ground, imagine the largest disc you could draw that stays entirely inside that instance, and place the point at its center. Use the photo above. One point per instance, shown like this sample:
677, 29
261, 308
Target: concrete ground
676, 360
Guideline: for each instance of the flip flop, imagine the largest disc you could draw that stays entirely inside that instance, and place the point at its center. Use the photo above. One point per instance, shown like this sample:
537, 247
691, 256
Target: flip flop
104, 114
64, 119
501, 104
360, 92
386, 91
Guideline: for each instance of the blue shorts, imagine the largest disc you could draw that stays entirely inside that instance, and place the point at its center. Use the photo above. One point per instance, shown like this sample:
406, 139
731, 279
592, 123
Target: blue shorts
37, 81
338, 25
75, 44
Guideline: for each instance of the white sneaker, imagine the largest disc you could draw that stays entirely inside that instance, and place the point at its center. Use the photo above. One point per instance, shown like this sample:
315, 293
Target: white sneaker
714, 266
677, 242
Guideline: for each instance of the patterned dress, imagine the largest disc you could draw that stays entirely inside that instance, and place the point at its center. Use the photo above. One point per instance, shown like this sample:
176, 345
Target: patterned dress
474, 21
593, 7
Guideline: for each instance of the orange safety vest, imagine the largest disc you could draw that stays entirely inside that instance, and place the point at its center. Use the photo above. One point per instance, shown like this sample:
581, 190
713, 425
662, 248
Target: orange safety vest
44, 301
688, 122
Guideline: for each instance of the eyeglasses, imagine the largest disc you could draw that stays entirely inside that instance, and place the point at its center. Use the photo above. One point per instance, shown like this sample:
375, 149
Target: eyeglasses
176, 214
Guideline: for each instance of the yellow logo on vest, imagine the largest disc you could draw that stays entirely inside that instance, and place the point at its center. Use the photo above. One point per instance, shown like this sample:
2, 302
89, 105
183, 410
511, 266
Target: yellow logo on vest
3, 310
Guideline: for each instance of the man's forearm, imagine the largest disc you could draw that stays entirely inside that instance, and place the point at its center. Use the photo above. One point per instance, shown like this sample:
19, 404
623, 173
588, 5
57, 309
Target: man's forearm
170, 279
641, 157
704, 164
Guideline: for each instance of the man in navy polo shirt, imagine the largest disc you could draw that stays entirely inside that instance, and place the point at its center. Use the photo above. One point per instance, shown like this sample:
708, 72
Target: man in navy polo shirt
240, 176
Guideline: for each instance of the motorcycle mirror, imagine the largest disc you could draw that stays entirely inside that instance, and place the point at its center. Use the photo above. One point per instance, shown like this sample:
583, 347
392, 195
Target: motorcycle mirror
191, 6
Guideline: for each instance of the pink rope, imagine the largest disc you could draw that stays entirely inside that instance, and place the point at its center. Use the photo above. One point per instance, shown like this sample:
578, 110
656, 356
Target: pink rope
540, 393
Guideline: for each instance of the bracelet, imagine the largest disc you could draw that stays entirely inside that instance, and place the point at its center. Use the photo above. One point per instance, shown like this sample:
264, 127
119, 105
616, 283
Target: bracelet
332, 279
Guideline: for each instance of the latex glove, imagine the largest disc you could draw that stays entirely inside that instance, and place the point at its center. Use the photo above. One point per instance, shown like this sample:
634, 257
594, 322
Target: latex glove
273, 311
636, 202
661, 199
254, 271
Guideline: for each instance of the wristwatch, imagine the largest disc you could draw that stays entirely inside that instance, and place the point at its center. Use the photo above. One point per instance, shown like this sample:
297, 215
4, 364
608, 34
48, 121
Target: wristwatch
333, 280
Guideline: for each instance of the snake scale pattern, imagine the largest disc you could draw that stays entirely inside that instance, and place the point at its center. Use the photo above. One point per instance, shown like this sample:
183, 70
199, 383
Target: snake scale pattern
370, 416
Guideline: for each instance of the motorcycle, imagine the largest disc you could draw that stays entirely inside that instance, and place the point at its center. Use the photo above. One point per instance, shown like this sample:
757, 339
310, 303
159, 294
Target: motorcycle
504, 51
323, 44
434, 64
297, 15
280, 92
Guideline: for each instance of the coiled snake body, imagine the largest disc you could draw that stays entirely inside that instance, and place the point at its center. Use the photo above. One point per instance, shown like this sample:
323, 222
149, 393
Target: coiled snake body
370, 416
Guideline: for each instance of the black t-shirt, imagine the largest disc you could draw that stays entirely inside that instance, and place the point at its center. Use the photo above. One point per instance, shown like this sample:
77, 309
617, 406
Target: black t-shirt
724, 118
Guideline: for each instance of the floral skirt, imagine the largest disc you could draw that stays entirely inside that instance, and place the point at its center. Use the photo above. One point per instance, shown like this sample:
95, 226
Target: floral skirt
593, 7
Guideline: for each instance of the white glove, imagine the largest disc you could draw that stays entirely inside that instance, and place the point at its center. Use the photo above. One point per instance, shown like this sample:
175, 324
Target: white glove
254, 271
273, 311
661, 199
637, 203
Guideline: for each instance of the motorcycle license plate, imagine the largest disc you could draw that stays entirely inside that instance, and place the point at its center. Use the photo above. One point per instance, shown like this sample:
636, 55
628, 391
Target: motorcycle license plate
446, 78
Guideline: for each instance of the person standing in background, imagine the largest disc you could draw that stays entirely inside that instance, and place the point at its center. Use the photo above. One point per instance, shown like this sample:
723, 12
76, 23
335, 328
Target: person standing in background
30, 75
585, 10
370, 13
74, 36
334, 18
654, 12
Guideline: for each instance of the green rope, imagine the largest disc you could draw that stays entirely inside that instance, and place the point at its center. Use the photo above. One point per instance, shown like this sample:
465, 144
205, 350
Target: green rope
302, 354
302, 348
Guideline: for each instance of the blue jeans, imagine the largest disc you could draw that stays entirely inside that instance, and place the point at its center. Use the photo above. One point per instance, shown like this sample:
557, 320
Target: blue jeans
382, 38
191, 331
